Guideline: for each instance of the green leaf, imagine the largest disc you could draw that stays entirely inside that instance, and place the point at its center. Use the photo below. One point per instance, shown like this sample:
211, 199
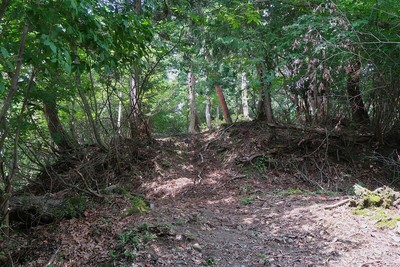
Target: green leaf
53, 47
4, 52
46, 41
67, 67
73, 4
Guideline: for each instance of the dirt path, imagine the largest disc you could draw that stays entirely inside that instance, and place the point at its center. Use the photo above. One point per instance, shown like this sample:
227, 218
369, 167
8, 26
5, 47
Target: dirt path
272, 231
223, 219
206, 212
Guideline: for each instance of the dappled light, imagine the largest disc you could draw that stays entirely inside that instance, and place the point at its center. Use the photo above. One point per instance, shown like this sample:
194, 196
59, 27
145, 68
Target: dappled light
170, 187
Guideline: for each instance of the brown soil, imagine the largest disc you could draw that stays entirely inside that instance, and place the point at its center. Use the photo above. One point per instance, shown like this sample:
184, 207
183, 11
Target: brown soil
237, 197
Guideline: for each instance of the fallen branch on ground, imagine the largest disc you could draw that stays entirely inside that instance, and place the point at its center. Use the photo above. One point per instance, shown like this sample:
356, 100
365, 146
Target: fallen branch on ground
339, 204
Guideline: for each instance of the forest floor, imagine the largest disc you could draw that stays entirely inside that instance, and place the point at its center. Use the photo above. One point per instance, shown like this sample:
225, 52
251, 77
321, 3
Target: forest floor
240, 196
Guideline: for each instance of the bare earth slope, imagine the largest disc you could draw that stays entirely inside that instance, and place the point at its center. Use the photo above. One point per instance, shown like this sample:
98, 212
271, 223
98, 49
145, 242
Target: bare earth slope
225, 199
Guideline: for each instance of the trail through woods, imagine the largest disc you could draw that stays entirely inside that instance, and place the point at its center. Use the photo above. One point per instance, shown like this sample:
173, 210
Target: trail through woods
214, 202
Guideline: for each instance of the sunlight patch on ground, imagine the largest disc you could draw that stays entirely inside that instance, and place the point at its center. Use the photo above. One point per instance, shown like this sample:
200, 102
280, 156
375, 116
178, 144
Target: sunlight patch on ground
170, 187
251, 220
187, 167
215, 176
227, 200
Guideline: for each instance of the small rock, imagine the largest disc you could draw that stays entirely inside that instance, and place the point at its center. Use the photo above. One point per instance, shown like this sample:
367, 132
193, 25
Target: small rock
396, 239
398, 228
197, 247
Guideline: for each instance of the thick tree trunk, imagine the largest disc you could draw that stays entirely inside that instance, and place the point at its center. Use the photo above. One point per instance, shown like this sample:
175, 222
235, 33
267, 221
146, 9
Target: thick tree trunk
359, 113
245, 104
224, 106
59, 136
208, 113
193, 122
265, 104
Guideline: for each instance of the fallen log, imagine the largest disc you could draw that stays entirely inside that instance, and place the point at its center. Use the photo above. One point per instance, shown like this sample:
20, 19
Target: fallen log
29, 210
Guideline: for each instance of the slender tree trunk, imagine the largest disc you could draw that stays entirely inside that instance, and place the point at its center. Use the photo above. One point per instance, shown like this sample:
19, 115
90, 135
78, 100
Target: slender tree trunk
208, 113
119, 118
71, 112
137, 5
245, 104
14, 81
224, 106
217, 113
308, 105
138, 124
265, 104
3, 7
193, 126
134, 116
8, 178
359, 113
88, 112
314, 102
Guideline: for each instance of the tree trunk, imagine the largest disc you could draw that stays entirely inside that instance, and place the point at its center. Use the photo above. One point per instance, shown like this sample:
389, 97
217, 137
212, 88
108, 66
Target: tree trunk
134, 116
8, 176
119, 118
5, 205
208, 114
359, 113
265, 104
14, 81
225, 110
245, 104
138, 124
3, 7
137, 5
193, 122
88, 112
72, 120
59, 136
217, 113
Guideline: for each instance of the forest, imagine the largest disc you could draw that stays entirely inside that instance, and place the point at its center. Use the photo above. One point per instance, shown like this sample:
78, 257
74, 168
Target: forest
200, 133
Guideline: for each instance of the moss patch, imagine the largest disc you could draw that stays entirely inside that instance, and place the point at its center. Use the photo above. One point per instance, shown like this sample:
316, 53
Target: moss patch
384, 218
